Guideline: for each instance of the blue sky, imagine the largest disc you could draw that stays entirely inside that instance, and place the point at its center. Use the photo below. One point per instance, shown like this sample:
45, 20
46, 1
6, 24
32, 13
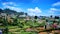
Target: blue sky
33, 7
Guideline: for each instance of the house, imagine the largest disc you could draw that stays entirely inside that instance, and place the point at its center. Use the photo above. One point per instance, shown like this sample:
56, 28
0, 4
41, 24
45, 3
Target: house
22, 15
3, 14
13, 15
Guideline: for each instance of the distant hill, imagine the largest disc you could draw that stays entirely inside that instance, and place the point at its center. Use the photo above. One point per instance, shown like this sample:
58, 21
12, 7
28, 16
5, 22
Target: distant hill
9, 11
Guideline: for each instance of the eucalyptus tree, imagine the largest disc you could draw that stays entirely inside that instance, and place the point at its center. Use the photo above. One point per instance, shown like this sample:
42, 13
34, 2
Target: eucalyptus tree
26, 17
51, 16
35, 19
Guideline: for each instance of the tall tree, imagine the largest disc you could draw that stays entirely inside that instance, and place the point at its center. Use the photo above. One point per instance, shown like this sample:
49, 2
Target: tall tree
26, 14
51, 16
35, 17
56, 17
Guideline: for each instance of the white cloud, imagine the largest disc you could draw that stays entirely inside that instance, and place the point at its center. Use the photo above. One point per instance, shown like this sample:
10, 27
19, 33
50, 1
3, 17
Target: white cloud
9, 3
12, 6
56, 4
54, 9
35, 11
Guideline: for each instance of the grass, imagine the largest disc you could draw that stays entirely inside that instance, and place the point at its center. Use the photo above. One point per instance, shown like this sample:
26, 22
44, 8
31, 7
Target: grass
2, 27
12, 27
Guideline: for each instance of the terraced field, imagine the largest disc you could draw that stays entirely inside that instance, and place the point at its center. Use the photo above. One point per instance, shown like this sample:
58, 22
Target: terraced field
17, 30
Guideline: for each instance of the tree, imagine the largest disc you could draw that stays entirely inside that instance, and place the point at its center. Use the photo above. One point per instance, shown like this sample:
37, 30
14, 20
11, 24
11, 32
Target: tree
26, 18
35, 17
51, 16
56, 17
26, 14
